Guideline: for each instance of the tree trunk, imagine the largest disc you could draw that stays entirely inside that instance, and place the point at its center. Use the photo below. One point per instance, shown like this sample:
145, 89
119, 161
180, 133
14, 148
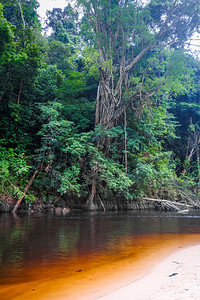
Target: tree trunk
90, 202
22, 16
125, 143
106, 103
25, 191
20, 91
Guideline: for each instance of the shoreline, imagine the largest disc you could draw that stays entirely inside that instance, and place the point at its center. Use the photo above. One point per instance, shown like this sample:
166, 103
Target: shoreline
112, 279
175, 277
127, 278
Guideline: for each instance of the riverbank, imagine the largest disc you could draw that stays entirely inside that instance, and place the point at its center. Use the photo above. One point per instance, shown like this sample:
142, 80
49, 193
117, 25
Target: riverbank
176, 277
93, 274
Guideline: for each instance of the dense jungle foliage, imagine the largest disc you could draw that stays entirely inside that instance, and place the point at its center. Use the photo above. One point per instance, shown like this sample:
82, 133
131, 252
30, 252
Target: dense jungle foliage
105, 107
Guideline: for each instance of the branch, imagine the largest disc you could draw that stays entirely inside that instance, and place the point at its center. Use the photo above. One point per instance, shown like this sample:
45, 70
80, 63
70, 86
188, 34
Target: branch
25, 191
192, 45
167, 201
22, 16
127, 68
137, 58
160, 33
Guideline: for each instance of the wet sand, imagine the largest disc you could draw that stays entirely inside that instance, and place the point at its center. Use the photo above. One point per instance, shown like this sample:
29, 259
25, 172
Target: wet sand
176, 277
141, 274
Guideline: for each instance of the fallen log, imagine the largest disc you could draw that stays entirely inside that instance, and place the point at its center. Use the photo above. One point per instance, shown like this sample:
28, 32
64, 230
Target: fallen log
169, 204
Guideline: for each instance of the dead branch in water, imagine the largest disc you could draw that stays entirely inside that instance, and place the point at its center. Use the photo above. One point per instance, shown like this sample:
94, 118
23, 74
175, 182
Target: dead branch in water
190, 200
169, 204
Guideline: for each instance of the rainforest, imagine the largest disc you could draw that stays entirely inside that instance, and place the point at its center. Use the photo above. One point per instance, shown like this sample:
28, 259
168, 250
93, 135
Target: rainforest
99, 107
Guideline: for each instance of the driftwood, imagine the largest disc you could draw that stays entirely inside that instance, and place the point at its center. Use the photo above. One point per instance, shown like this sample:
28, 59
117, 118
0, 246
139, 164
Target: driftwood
184, 211
170, 204
192, 202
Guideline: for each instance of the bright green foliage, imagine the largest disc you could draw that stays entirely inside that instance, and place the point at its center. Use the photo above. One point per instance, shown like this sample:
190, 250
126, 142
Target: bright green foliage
48, 83
14, 171
19, 63
64, 41
109, 176
70, 181
67, 156
153, 173
20, 16
91, 61
127, 59
23, 56
112, 175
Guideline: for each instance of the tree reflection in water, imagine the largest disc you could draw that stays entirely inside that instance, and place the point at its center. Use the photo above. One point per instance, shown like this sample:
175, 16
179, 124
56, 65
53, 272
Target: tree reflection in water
44, 242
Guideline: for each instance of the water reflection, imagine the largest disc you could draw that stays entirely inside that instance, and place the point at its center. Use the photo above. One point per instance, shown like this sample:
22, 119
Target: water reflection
38, 241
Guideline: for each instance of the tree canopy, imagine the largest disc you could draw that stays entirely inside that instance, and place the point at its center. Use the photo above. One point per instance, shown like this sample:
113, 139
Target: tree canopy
104, 110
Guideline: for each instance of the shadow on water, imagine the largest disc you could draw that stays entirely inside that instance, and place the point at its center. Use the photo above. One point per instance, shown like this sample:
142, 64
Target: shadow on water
36, 246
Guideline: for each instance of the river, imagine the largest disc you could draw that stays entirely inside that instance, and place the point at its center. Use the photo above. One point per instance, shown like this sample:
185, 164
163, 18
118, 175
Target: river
42, 253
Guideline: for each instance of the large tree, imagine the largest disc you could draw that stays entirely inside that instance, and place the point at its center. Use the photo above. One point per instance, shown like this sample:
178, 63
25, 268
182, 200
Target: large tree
133, 44
124, 32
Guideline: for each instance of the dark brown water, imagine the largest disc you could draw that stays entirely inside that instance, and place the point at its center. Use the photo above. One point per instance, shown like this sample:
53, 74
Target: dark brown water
43, 247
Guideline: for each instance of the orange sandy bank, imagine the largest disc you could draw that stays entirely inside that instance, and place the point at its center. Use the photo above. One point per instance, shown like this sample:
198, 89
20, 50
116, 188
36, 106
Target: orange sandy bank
176, 277
116, 276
